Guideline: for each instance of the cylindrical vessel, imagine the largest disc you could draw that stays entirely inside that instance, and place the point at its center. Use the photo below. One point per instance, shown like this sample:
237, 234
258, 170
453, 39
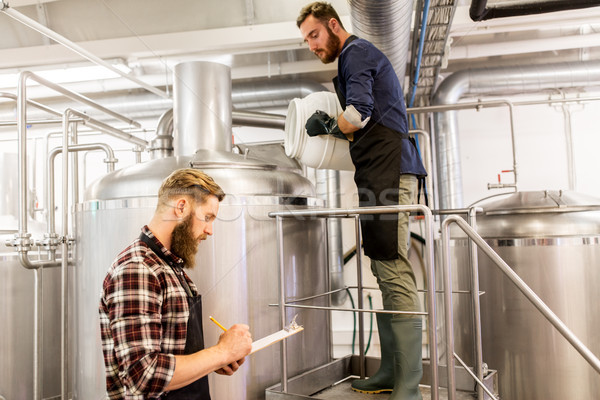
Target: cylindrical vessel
552, 241
236, 270
202, 107
17, 288
323, 151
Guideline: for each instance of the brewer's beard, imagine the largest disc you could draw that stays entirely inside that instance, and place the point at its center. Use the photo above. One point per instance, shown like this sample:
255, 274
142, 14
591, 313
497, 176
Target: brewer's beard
330, 52
184, 244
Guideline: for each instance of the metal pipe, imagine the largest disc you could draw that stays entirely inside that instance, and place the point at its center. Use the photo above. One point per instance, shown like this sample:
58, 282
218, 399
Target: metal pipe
65, 220
110, 161
448, 311
24, 75
450, 181
260, 120
328, 189
361, 322
480, 12
473, 259
73, 140
35, 122
526, 290
33, 103
359, 310
65, 252
282, 321
110, 130
480, 385
162, 144
33, 24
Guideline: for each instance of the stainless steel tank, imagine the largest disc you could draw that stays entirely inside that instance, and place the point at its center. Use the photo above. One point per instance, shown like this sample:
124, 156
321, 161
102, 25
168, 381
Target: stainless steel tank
17, 286
237, 268
552, 241
236, 273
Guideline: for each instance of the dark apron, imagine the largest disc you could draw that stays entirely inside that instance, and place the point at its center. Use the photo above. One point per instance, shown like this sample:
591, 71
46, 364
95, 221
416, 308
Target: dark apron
194, 341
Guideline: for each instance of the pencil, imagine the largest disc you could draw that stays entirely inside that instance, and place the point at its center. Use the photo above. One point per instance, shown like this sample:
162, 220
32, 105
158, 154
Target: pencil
218, 324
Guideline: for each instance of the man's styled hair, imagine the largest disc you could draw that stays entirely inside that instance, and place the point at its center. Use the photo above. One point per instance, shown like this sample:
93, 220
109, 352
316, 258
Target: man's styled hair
321, 11
189, 182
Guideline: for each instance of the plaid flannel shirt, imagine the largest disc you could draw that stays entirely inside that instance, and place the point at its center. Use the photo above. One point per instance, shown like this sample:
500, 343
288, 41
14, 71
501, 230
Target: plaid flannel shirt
143, 321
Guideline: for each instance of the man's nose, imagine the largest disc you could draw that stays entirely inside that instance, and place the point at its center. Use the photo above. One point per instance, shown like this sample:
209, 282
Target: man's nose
208, 229
312, 45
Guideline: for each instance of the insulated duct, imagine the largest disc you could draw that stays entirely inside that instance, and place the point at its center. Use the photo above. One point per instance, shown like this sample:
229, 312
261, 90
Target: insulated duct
480, 12
497, 81
386, 24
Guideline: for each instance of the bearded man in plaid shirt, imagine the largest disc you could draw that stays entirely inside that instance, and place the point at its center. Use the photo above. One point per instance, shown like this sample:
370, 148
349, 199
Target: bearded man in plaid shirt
151, 312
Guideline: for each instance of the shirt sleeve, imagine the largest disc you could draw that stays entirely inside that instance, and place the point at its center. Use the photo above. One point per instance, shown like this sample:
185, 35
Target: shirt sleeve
359, 69
133, 300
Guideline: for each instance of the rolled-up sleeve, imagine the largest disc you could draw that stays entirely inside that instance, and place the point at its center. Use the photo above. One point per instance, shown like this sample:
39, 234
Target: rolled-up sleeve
133, 299
359, 69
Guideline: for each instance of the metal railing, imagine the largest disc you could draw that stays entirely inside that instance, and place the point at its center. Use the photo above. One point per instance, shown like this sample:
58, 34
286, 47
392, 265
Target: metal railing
355, 213
478, 241
475, 242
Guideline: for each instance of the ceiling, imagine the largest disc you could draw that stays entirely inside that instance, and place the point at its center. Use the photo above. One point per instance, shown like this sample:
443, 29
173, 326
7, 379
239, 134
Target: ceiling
258, 38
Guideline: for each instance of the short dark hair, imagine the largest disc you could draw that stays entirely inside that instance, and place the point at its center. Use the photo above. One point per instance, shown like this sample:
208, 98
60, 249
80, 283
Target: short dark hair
320, 10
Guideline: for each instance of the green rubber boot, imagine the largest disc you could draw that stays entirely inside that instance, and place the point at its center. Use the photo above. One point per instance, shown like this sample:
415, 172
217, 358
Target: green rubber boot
383, 379
408, 360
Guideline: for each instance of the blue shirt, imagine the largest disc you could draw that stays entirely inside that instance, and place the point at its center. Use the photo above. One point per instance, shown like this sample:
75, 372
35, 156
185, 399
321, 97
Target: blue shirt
368, 82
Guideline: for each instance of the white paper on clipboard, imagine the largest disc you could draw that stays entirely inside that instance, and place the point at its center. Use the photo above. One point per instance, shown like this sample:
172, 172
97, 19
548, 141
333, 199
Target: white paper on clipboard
274, 338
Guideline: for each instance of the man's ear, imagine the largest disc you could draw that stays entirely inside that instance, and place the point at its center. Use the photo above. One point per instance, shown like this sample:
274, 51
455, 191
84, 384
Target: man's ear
180, 207
333, 25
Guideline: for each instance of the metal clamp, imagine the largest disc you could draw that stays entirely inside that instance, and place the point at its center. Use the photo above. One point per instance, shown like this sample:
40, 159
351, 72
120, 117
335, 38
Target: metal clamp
50, 242
22, 241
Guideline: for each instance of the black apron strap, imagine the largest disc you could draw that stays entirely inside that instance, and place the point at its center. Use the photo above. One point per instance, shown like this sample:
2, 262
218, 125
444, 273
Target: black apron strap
177, 269
194, 340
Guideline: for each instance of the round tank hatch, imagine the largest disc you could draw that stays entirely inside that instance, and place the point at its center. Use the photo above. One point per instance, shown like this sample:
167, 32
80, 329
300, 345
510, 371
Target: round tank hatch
540, 214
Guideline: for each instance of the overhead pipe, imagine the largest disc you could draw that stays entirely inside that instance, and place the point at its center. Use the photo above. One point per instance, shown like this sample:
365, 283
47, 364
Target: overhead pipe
386, 24
271, 93
497, 81
479, 11
33, 24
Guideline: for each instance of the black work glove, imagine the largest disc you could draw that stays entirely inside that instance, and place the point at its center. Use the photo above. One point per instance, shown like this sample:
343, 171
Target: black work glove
320, 123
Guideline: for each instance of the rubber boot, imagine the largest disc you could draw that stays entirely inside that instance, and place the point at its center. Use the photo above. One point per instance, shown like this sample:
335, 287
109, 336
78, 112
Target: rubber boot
408, 360
383, 379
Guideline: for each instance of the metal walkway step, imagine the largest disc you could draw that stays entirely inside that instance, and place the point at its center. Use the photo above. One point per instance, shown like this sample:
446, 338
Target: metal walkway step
332, 381
342, 391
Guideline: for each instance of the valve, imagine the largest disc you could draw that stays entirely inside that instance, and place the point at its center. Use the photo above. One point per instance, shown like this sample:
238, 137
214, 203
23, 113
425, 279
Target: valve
501, 185
22, 241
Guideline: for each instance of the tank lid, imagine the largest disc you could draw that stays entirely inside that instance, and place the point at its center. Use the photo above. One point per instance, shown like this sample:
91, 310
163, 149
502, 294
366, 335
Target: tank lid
543, 201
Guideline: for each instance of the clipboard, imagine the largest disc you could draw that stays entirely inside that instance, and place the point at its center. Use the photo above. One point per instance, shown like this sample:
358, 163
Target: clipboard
278, 336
